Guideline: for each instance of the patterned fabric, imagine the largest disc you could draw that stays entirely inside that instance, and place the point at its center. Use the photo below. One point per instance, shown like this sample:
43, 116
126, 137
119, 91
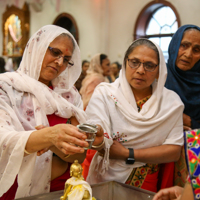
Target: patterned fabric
180, 171
138, 175
192, 147
140, 103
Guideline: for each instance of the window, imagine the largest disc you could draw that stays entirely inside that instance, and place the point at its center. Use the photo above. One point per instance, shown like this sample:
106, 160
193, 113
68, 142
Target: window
160, 22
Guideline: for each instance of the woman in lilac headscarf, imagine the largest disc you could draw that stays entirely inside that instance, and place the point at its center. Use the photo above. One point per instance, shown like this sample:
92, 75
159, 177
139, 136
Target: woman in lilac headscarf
184, 72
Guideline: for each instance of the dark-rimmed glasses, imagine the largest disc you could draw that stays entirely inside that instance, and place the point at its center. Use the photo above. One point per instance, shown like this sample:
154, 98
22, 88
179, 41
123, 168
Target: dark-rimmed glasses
57, 54
148, 66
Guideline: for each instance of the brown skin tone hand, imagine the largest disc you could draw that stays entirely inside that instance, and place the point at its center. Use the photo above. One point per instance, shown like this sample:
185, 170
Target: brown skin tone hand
186, 120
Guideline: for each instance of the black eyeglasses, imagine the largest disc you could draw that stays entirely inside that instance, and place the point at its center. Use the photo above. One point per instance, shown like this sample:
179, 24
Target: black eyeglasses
148, 66
57, 54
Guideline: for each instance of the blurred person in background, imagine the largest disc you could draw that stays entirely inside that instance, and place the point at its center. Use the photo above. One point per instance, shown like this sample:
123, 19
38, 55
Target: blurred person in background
114, 73
2, 65
85, 66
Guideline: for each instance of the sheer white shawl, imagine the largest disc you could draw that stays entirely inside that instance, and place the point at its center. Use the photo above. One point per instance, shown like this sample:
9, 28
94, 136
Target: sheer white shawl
24, 104
113, 106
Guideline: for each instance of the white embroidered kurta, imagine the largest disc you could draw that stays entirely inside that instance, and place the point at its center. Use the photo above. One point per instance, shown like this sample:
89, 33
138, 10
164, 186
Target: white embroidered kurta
158, 123
24, 104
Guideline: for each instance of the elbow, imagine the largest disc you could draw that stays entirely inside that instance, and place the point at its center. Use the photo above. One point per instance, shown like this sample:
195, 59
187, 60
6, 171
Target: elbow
176, 155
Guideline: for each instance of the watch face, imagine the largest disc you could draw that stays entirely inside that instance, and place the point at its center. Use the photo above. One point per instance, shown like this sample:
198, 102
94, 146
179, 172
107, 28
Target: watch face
130, 161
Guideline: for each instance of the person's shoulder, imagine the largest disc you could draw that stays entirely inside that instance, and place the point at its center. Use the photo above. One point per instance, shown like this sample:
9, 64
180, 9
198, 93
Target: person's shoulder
171, 95
104, 86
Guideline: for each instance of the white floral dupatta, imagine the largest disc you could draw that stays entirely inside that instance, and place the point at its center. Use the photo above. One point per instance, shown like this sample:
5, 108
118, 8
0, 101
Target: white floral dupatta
24, 104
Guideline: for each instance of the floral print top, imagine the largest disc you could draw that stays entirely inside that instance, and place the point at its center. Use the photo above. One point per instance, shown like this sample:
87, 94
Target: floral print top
140, 103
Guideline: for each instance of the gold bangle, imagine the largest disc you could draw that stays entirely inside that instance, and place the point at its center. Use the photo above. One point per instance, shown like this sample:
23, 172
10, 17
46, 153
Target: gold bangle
26, 152
96, 147
67, 156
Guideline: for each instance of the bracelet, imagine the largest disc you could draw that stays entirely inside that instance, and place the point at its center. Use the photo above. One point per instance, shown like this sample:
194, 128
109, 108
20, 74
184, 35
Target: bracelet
26, 152
96, 147
67, 156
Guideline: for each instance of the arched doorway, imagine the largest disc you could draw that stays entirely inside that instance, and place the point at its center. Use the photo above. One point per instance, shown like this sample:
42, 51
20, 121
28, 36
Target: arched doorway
66, 21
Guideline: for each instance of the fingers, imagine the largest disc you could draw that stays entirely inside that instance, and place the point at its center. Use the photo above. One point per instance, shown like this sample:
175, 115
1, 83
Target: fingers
100, 131
40, 127
166, 194
186, 128
39, 153
71, 149
68, 139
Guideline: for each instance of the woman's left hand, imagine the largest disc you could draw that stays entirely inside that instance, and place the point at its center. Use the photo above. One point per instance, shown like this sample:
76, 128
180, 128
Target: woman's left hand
186, 120
172, 193
118, 151
99, 136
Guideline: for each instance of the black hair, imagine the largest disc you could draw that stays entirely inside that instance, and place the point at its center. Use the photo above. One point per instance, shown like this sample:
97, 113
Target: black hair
84, 61
2, 65
118, 65
102, 57
140, 42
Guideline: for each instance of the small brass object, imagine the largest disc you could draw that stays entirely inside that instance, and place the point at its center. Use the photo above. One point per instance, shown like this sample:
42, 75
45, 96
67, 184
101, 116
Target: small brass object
76, 188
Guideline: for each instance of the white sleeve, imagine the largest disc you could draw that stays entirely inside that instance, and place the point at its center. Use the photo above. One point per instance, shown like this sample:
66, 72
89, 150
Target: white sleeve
97, 111
175, 136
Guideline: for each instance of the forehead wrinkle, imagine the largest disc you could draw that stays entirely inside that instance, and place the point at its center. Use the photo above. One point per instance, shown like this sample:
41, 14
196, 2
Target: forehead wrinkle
189, 43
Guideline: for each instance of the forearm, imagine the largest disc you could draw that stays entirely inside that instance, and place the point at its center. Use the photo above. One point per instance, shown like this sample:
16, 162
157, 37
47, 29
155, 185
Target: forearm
159, 154
65, 137
153, 155
39, 140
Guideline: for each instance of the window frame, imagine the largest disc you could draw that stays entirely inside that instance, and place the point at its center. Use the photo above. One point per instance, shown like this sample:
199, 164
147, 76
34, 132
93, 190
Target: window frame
146, 15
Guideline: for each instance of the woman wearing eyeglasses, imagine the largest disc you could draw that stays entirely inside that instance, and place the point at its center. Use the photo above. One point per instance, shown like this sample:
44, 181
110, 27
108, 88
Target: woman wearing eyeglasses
38, 107
141, 119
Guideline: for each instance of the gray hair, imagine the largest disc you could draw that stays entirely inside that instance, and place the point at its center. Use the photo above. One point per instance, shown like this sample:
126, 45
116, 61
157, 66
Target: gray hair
189, 29
66, 35
137, 43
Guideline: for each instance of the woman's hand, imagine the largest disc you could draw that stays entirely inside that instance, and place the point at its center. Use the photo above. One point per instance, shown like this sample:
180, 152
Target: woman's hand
118, 151
187, 121
172, 193
66, 138
186, 128
99, 136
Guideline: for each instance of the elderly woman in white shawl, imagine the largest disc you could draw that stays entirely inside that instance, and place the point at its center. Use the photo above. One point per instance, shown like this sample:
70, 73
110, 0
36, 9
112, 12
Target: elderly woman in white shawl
40, 94
141, 119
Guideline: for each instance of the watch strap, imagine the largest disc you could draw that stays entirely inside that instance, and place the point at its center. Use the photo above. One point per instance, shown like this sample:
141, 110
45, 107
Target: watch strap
131, 153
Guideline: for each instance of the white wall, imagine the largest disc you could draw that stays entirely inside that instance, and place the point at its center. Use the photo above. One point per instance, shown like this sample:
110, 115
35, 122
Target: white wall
105, 26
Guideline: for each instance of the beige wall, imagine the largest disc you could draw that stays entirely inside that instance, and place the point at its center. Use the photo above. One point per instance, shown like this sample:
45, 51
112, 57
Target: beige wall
105, 26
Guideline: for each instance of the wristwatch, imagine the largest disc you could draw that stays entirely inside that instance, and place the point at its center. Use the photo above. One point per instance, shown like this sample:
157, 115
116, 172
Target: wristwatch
130, 160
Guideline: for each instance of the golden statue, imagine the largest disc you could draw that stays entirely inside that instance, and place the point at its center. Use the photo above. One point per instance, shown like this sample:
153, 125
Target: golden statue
76, 188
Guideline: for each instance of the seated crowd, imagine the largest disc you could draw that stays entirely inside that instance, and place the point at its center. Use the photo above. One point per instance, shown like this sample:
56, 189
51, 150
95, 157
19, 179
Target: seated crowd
141, 109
